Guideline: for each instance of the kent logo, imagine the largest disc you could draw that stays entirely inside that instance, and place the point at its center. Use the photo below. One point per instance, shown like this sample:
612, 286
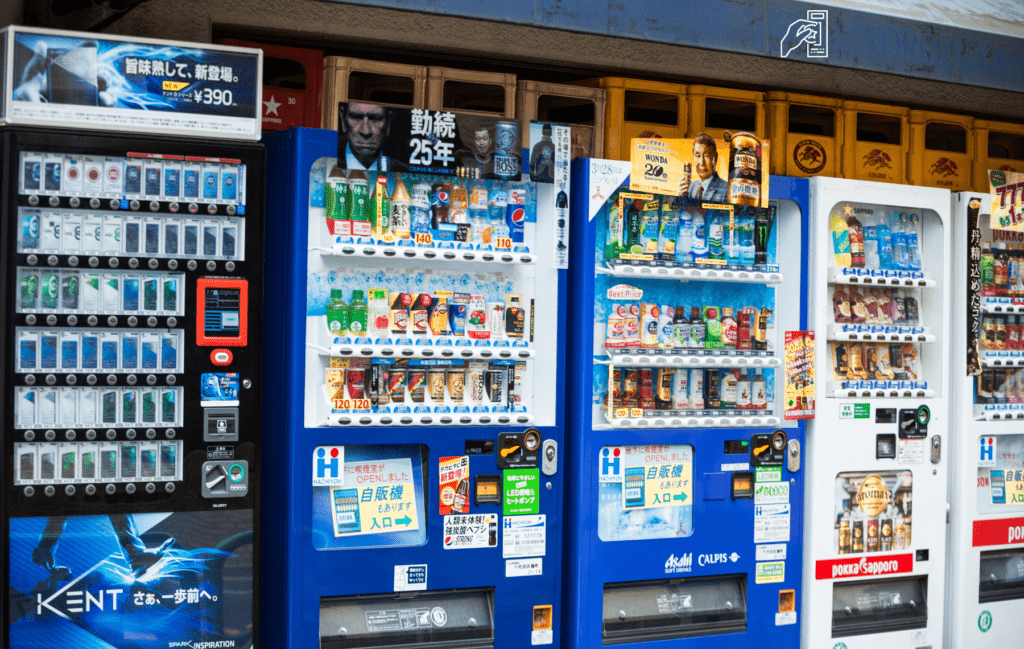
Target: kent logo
328, 466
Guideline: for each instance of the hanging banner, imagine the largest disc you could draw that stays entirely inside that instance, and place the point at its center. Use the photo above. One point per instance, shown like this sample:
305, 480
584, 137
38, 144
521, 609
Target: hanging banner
78, 80
703, 168
973, 287
1007, 191
386, 138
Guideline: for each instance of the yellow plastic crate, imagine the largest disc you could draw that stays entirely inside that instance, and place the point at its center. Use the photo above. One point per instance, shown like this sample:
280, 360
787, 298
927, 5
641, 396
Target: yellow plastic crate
717, 110
875, 142
469, 91
391, 84
581, 108
805, 134
998, 145
941, 150
639, 109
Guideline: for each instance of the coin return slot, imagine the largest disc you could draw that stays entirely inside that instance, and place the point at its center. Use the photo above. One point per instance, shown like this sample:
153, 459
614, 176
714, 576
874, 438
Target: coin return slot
879, 606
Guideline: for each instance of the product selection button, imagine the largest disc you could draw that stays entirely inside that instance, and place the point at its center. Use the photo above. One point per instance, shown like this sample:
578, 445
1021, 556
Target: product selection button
221, 357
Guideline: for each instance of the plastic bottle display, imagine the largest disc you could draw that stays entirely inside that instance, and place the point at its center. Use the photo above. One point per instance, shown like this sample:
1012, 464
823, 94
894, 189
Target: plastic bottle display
358, 314
337, 314
401, 210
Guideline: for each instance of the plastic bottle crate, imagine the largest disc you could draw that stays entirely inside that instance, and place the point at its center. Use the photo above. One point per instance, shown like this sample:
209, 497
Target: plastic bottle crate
941, 150
717, 110
581, 108
997, 145
390, 84
471, 92
639, 109
875, 142
292, 84
805, 133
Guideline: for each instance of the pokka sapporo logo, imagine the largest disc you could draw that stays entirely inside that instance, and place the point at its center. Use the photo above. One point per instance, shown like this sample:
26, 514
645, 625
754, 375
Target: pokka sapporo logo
874, 495
809, 156
945, 167
878, 158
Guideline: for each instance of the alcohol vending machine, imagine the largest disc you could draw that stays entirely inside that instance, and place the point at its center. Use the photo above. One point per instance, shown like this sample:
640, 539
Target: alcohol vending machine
418, 365
130, 393
876, 485
687, 475
986, 556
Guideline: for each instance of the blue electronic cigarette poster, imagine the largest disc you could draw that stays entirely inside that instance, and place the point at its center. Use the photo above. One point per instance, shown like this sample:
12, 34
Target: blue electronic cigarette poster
132, 581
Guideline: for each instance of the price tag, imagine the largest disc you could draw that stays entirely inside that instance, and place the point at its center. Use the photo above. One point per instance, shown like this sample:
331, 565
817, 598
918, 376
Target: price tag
619, 413
636, 412
388, 238
424, 239
503, 243
351, 404
360, 404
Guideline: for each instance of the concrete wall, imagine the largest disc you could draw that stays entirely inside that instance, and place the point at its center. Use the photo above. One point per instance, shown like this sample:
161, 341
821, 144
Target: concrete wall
410, 35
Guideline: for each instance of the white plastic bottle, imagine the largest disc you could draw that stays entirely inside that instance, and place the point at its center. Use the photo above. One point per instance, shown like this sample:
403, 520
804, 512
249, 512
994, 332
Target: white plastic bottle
680, 390
696, 389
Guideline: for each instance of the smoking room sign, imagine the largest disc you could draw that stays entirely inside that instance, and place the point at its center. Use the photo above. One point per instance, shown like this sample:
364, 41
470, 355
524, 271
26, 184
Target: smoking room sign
1007, 191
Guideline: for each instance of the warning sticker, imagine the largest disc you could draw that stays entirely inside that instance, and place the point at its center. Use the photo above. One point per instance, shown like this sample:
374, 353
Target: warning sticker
773, 572
910, 451
462, 532
397, 620
524, 567
524, 536
771, 523
410, 578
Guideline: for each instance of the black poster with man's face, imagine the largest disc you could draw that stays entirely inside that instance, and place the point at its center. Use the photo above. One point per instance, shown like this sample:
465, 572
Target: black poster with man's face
386, 138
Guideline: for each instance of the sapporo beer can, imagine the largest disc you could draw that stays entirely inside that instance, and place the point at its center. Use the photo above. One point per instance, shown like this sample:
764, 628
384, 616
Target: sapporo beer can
506, 150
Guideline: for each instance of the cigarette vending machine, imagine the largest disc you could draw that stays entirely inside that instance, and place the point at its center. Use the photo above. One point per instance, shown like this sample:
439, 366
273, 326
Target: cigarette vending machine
132, 283
418, 371
876, 490
687, 489
986, 556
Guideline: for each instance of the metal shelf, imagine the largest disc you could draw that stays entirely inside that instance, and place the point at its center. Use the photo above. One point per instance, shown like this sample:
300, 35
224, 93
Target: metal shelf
876, 279
364, 420
710, 274
349, 250
1008, 359
703, 358
434, 352
696, 419
836, 334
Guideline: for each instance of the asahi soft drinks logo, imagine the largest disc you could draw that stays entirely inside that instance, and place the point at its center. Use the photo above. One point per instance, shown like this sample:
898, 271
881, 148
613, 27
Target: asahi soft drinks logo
682, 564
808, 36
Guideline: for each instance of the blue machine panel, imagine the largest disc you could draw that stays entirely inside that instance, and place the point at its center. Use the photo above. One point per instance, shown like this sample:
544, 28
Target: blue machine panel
685, 523
356, 538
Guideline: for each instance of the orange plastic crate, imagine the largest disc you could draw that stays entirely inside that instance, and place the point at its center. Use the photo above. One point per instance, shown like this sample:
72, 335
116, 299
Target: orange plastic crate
581, 108
717, 110
390, 84
639, 109
875, 142
469, 91
805, 134
941, 150
292, 84
998, 145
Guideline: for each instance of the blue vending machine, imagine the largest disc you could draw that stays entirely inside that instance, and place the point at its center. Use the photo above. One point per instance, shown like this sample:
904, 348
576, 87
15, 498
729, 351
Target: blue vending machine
685, 453
415, 356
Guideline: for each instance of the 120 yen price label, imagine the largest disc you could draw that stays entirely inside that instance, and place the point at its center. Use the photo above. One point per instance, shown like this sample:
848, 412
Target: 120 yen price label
351, 404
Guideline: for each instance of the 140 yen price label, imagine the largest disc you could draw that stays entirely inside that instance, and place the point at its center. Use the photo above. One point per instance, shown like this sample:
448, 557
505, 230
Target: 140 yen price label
424, 239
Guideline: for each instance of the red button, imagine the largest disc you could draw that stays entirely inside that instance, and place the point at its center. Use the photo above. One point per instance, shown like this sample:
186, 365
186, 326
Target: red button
221, 357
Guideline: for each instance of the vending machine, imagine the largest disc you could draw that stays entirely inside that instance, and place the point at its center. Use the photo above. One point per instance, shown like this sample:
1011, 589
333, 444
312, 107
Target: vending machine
685, 504
130, 393
417, 361
986, 533
877, 449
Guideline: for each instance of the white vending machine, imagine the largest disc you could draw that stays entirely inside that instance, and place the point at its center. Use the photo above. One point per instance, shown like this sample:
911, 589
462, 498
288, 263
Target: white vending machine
986, 532
875, 522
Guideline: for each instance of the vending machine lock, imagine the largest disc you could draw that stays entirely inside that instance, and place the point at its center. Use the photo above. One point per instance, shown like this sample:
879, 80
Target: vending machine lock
793, 459
519, 450
936, 449
549, 457
768, 449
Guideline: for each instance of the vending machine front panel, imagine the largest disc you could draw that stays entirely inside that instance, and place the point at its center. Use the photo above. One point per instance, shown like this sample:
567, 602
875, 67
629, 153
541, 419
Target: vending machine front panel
986, 532
125, 522
679, 439
420, 366
878, 447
